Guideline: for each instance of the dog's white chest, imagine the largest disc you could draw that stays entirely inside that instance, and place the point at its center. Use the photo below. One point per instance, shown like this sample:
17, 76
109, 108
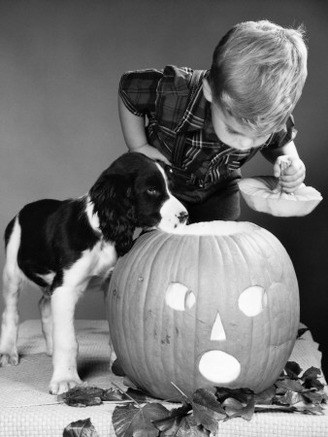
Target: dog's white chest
106, 258
98, 261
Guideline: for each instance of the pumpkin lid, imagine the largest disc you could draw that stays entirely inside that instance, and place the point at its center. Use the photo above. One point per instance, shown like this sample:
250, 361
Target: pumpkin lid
262, 193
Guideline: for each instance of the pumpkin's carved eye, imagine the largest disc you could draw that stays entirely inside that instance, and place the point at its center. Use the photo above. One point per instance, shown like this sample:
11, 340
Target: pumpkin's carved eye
179, 297
253, 300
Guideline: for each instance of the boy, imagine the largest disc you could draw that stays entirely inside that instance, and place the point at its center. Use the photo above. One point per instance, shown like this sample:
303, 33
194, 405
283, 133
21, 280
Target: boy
207, 124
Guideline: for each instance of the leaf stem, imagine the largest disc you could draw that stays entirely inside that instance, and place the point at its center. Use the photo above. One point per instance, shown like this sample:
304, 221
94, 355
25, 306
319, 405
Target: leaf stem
127, 395
181, 392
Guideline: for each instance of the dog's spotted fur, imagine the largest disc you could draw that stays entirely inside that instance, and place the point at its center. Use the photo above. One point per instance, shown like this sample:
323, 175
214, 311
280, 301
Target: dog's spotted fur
60, 245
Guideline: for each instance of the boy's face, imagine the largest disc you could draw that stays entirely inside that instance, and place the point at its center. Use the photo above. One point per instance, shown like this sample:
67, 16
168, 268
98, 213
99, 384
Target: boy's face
233, 133
228, 129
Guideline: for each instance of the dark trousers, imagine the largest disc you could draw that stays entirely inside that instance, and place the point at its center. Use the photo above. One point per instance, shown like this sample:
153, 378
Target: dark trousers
222, 203
220, 206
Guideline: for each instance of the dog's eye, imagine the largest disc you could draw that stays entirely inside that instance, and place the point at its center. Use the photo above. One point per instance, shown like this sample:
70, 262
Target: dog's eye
152, 191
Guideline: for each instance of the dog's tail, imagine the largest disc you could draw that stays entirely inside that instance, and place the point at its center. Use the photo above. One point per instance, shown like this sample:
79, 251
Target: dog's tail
9, 230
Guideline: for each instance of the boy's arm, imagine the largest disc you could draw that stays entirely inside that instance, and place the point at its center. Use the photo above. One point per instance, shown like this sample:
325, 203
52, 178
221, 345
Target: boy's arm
294, 175
134, 133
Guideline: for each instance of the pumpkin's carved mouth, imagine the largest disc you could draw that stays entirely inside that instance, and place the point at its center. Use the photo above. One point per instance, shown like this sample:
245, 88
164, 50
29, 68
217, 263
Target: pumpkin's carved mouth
219, 367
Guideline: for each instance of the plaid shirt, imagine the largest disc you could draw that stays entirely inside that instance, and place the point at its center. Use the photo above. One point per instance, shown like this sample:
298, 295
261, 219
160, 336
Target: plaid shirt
180, 126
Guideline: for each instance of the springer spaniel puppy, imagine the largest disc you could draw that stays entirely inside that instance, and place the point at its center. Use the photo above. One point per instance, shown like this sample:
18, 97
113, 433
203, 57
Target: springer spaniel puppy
61, 245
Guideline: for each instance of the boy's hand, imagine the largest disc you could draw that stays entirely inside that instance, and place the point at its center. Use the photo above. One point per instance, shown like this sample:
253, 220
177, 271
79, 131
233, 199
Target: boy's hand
291, 177
152, 153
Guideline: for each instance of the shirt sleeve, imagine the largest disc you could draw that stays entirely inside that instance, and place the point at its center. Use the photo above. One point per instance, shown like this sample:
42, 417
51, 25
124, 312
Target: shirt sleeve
283, 137
137, 90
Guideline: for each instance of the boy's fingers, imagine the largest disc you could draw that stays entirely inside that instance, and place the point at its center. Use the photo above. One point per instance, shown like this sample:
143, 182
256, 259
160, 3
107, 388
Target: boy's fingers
291, 183
276, 169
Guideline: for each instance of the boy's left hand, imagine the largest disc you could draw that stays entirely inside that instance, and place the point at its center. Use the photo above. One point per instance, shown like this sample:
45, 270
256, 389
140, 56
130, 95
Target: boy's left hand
291, 177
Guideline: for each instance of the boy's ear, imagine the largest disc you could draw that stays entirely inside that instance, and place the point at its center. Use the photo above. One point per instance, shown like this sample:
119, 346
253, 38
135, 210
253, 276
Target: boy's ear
207, 90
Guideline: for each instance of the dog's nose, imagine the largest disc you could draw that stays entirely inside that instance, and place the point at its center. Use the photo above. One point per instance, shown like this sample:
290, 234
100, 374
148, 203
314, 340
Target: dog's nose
183, 216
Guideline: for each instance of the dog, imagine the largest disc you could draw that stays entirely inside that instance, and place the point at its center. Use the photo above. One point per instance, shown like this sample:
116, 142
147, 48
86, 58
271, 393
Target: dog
61, 244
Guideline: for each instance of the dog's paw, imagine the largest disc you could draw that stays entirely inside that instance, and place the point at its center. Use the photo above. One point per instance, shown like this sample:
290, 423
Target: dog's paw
59, 387
8, 359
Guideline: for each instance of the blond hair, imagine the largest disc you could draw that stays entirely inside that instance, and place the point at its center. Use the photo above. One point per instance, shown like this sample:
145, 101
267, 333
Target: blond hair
258, 73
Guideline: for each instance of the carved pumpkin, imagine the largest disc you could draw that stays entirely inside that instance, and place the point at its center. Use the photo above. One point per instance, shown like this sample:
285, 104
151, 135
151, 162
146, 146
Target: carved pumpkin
212, 304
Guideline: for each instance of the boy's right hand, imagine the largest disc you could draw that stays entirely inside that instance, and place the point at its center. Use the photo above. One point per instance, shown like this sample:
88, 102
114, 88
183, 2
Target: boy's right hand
152, 153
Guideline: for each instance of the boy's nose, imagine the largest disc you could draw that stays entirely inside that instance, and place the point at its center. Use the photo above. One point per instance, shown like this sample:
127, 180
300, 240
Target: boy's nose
246, 143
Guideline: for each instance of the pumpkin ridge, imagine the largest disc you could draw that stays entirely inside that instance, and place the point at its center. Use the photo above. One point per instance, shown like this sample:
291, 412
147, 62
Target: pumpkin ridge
115, 296
130, 276
266, 361
121, 328
166, 361
283, 258
162, 337
175, 316
262, 248
197, 319
133, 279
162, 238
242, 244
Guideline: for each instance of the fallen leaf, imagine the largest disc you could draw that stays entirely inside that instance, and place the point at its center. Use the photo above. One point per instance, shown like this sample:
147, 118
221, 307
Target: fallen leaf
113, 395
315, 398
266, 396
207, 410
235, 408
180, 426
289, 398
80, 428
292, 369
310, 378
185, 427
173, 425
288, 384
137, 421
82, 396
241, 394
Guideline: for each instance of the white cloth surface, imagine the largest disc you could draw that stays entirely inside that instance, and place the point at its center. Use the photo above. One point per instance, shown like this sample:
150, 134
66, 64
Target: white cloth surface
28, 410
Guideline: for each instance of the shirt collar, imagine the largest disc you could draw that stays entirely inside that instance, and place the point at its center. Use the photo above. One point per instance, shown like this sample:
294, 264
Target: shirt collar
197, 112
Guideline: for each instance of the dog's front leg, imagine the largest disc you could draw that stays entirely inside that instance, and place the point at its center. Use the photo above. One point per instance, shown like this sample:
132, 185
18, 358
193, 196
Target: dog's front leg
65, 346
46, 319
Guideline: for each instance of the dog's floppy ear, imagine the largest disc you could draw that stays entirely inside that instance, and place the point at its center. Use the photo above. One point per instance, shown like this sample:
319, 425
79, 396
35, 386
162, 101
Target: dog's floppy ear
112, 197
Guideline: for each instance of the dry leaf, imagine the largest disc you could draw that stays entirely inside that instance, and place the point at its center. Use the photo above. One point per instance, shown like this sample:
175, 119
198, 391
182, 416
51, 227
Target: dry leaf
137, 421
81, 428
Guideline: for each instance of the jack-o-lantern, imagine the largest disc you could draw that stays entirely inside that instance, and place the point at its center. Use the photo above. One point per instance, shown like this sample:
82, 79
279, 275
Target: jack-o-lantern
212, 304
